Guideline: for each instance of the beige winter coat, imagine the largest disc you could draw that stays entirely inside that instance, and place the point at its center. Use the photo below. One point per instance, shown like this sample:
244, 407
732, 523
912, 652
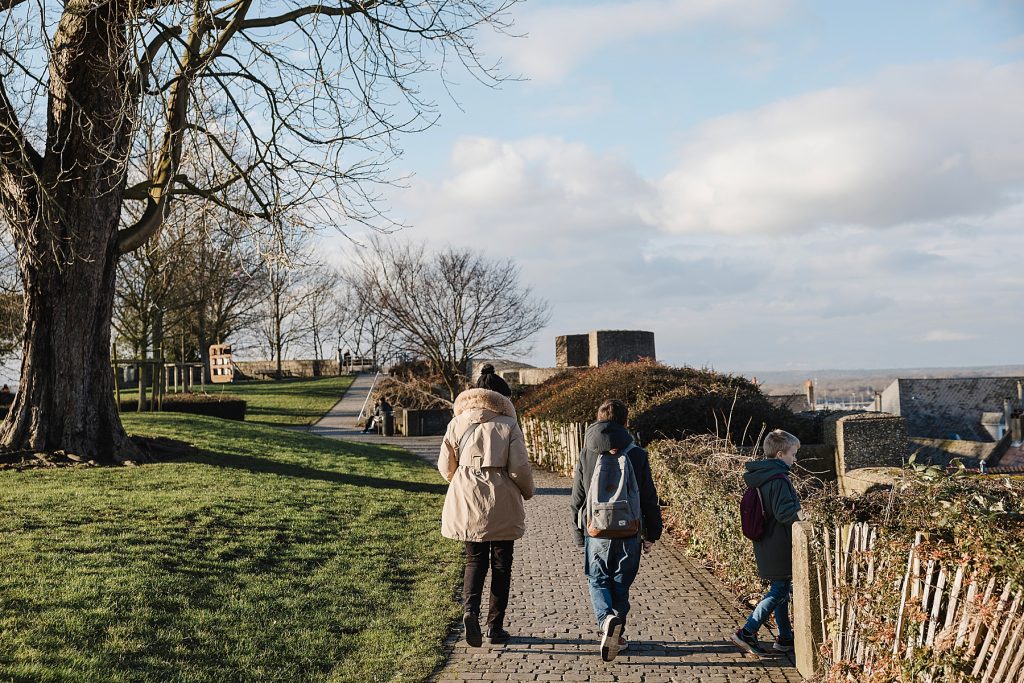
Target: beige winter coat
491, 477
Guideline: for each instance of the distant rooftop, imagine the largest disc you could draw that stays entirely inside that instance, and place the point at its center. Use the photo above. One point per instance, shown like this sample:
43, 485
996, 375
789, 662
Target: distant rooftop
948, 408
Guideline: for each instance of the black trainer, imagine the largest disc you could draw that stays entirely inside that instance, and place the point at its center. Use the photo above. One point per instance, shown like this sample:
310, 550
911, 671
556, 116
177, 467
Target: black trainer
748, 643
498, 636
474, 636
783, 644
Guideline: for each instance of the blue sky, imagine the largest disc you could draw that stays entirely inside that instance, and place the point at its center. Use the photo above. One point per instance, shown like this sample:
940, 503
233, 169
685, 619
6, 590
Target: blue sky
772, 184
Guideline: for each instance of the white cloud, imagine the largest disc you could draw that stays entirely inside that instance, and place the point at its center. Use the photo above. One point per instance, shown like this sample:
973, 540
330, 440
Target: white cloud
842, 228
916, 144
947, 336
560, 37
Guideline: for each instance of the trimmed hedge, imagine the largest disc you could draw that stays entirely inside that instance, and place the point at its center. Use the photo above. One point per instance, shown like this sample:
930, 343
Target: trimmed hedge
664, 401
228, 407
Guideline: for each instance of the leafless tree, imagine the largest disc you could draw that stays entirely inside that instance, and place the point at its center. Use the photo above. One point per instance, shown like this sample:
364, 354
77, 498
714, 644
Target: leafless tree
452, 305
321, 311
365, 326
289, 289
11, 301
301, 101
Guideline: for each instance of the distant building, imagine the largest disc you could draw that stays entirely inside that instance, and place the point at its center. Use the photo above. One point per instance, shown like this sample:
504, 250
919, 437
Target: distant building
576, 351
968, 408
794, 403
603, 346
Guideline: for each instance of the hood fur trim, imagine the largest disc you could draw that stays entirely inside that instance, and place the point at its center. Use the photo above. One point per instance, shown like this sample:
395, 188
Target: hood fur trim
483, 399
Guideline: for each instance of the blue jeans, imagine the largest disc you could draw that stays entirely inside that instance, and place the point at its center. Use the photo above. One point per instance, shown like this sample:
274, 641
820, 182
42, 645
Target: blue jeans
777, 601
611, 565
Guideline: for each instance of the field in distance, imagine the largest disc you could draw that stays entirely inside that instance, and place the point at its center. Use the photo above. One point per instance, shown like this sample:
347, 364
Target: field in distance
862, 384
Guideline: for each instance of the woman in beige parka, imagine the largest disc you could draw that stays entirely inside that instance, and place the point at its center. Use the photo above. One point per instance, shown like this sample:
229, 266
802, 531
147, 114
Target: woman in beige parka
483, 457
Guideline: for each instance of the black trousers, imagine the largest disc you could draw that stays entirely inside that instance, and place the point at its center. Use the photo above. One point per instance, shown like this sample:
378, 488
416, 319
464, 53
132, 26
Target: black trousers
479, 556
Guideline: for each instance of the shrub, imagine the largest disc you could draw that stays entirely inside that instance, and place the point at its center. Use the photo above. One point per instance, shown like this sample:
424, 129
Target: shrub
664, 401
411, 393
700, 478
223, 406
976, 521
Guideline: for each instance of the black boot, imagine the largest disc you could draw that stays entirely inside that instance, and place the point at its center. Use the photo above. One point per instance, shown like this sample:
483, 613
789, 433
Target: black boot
474, 637
497, 635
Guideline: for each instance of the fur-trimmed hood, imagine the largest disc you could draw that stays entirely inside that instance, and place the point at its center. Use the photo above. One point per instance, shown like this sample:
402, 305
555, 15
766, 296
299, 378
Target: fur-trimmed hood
483, 399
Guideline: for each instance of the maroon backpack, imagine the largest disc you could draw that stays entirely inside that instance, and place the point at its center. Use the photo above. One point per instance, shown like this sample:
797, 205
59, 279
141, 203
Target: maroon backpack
753, 518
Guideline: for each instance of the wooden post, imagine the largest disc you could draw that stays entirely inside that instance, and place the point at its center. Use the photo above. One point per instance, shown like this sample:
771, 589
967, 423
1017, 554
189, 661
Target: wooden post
117, 388
141, 376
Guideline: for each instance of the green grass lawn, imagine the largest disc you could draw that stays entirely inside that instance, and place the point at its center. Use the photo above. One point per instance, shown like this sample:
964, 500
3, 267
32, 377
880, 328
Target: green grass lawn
270, 556
281, 402
287, 401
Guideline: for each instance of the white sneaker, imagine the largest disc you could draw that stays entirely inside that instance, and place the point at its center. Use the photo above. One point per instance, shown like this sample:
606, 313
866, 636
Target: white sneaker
611, 631
623, 644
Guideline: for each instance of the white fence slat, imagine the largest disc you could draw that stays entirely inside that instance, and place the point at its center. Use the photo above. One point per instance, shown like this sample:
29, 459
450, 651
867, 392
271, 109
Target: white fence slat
992, 631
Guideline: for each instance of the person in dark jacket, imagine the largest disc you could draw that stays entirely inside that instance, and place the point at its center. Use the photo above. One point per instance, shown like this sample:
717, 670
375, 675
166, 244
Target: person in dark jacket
774, 550
611, 564
380, 410
490, 380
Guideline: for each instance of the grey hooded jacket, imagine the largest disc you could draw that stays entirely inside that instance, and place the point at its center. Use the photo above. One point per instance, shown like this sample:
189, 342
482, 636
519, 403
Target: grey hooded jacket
774, 552
602, 437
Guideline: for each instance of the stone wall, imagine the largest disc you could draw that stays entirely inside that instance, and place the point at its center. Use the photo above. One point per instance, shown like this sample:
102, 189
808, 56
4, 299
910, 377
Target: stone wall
871, 440
259, 369
531, 376
572, 350
626, 346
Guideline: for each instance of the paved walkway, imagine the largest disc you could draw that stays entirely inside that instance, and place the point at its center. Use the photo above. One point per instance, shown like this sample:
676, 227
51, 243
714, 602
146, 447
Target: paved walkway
680, 614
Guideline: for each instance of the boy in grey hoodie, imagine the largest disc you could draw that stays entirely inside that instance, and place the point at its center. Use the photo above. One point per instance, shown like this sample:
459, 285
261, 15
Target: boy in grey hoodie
611, 564
773, 551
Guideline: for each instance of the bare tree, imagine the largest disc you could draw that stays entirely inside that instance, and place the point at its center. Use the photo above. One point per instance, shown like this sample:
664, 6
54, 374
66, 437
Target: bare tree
288, 292
365, 326
451, 306
11, 302
301, 101
321, 311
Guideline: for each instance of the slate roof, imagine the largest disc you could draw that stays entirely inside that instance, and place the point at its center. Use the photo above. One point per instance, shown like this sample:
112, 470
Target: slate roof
792, 402
940, 408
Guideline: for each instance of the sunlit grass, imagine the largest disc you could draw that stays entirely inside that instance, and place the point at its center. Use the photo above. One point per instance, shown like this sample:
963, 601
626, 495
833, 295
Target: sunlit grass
270, 555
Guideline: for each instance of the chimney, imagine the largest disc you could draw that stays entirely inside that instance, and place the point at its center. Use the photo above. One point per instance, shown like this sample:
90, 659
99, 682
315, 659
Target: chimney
878, 401
1020, 394
809, 388
1007, 414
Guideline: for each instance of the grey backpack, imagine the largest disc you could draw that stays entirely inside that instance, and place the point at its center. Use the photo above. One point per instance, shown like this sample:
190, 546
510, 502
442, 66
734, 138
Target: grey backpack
613, 498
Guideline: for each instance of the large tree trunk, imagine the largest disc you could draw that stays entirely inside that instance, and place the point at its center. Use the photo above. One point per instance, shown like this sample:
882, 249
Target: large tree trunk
67, 249
66, 395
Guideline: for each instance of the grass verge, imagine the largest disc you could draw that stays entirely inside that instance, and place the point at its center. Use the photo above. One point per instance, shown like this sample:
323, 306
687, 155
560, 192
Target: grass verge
280, 402
269, 555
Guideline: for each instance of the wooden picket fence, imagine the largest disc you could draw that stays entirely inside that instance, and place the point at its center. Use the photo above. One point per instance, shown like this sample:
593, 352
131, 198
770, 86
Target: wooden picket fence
943, 608
554, 445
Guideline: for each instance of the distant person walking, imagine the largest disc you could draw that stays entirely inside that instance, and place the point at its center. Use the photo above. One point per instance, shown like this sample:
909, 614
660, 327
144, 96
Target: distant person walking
773, 549
483, 457
490, 380
615, 514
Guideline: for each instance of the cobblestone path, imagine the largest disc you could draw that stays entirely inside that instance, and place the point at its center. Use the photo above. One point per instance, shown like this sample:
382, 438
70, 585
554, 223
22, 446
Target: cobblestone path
679, 621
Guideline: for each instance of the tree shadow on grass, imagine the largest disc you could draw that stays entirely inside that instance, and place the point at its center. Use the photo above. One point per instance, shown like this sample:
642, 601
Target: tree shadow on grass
258, 465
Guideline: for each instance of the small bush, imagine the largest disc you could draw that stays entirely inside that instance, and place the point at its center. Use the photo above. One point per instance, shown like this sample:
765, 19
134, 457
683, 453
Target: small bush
226, 407
410, 393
